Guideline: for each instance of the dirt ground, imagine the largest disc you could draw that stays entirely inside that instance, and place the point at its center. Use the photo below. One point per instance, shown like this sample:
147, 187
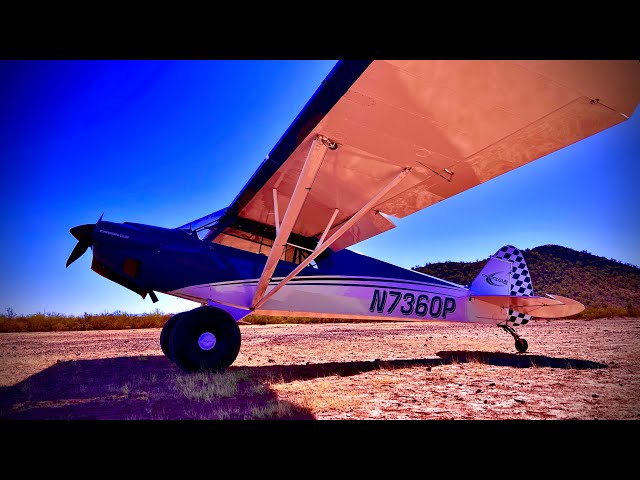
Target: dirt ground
574, 369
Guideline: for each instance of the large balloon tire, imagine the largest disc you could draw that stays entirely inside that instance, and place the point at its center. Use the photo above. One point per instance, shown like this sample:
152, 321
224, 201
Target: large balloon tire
165, 333
219, 348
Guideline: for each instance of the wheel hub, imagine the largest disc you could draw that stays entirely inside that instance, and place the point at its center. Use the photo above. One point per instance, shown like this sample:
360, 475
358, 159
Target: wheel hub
207, 341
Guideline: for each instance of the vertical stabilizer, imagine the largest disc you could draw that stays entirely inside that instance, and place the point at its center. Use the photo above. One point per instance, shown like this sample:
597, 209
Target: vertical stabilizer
493, 279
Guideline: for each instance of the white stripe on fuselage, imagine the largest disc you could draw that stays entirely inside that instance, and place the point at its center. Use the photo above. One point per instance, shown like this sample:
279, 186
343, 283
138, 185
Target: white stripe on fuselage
360, 297
342, 278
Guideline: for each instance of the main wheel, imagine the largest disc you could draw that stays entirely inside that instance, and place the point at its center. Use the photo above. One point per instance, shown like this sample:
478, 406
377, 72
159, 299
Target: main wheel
166, 332
206, 338
521, 345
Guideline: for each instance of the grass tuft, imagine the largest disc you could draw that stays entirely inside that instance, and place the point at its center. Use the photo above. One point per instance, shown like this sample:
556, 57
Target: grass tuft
207, 386
273, 410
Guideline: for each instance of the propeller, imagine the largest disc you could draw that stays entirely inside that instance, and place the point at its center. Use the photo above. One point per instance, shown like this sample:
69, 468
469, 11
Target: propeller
84, 235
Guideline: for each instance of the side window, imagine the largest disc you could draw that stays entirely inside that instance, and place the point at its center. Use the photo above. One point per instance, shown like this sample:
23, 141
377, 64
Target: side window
255, 237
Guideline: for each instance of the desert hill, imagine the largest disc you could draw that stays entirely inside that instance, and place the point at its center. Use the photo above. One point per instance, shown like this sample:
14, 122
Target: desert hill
606, 287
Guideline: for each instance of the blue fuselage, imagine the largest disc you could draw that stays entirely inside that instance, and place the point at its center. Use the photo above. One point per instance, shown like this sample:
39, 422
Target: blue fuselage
150, 258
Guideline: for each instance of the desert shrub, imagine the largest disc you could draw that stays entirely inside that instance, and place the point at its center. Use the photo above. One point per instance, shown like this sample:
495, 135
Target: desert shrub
56, 322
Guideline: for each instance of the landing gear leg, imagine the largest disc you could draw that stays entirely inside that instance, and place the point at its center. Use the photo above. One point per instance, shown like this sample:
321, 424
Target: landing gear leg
521, 343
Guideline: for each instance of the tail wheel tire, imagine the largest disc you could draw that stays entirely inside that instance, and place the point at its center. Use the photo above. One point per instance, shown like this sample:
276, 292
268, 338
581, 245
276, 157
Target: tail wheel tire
166, 332
521, 345
206, 338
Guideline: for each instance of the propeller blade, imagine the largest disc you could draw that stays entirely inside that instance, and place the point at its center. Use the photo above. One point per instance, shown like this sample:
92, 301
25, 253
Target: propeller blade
77, 252
84, 235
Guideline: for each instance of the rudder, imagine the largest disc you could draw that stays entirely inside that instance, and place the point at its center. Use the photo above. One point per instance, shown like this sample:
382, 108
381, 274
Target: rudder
520, 285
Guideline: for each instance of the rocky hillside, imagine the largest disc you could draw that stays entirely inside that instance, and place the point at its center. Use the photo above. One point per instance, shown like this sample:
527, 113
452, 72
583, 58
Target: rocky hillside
605, 286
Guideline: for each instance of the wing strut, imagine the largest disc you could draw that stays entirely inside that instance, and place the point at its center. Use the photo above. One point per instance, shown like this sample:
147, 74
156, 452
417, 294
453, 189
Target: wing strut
303, 186
276, 214
329, 225
322, 246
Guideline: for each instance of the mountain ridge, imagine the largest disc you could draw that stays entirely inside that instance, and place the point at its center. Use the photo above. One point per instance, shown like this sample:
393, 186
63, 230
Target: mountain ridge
606, 287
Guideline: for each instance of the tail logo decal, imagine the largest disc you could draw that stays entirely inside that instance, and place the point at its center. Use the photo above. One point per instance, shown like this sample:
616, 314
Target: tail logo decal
492, 279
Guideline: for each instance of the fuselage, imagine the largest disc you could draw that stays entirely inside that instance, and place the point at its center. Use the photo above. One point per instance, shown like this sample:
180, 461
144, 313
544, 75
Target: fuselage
341, 284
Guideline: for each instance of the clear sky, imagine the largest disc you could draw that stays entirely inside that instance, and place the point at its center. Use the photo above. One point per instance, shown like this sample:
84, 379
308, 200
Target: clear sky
165, 142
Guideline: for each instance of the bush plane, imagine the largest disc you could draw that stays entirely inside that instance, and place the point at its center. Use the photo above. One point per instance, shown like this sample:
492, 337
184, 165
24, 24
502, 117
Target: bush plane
378, 140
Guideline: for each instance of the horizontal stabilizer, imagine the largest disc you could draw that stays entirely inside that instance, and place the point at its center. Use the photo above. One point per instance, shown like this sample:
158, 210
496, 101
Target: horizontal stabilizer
551, 306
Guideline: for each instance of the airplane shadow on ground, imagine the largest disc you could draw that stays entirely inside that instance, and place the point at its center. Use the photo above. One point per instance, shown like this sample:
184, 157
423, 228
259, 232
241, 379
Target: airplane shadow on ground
152, 387
501, 359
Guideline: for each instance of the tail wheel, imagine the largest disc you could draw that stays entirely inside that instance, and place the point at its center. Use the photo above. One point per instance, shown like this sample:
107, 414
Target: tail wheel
206, 338
166, 332
521, 345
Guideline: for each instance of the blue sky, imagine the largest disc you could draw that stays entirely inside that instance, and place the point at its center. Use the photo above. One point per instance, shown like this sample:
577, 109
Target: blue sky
165, 142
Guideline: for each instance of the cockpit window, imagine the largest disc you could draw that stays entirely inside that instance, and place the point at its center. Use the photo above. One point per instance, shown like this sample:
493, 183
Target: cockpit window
254, 237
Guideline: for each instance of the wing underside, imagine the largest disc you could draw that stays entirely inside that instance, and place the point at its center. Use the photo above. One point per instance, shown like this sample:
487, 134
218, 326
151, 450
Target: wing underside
454, 124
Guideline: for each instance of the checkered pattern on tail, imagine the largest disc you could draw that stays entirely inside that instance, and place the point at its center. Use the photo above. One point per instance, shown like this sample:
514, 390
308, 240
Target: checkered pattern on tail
521, 285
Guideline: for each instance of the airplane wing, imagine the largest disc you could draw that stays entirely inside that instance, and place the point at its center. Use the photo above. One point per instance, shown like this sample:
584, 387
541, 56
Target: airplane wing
452, 124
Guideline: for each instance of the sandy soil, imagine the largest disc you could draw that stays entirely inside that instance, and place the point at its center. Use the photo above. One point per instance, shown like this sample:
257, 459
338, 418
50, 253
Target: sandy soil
574, 369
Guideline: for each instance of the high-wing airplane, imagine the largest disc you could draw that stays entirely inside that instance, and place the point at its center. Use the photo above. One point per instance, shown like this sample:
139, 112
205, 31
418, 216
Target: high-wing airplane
378, 140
